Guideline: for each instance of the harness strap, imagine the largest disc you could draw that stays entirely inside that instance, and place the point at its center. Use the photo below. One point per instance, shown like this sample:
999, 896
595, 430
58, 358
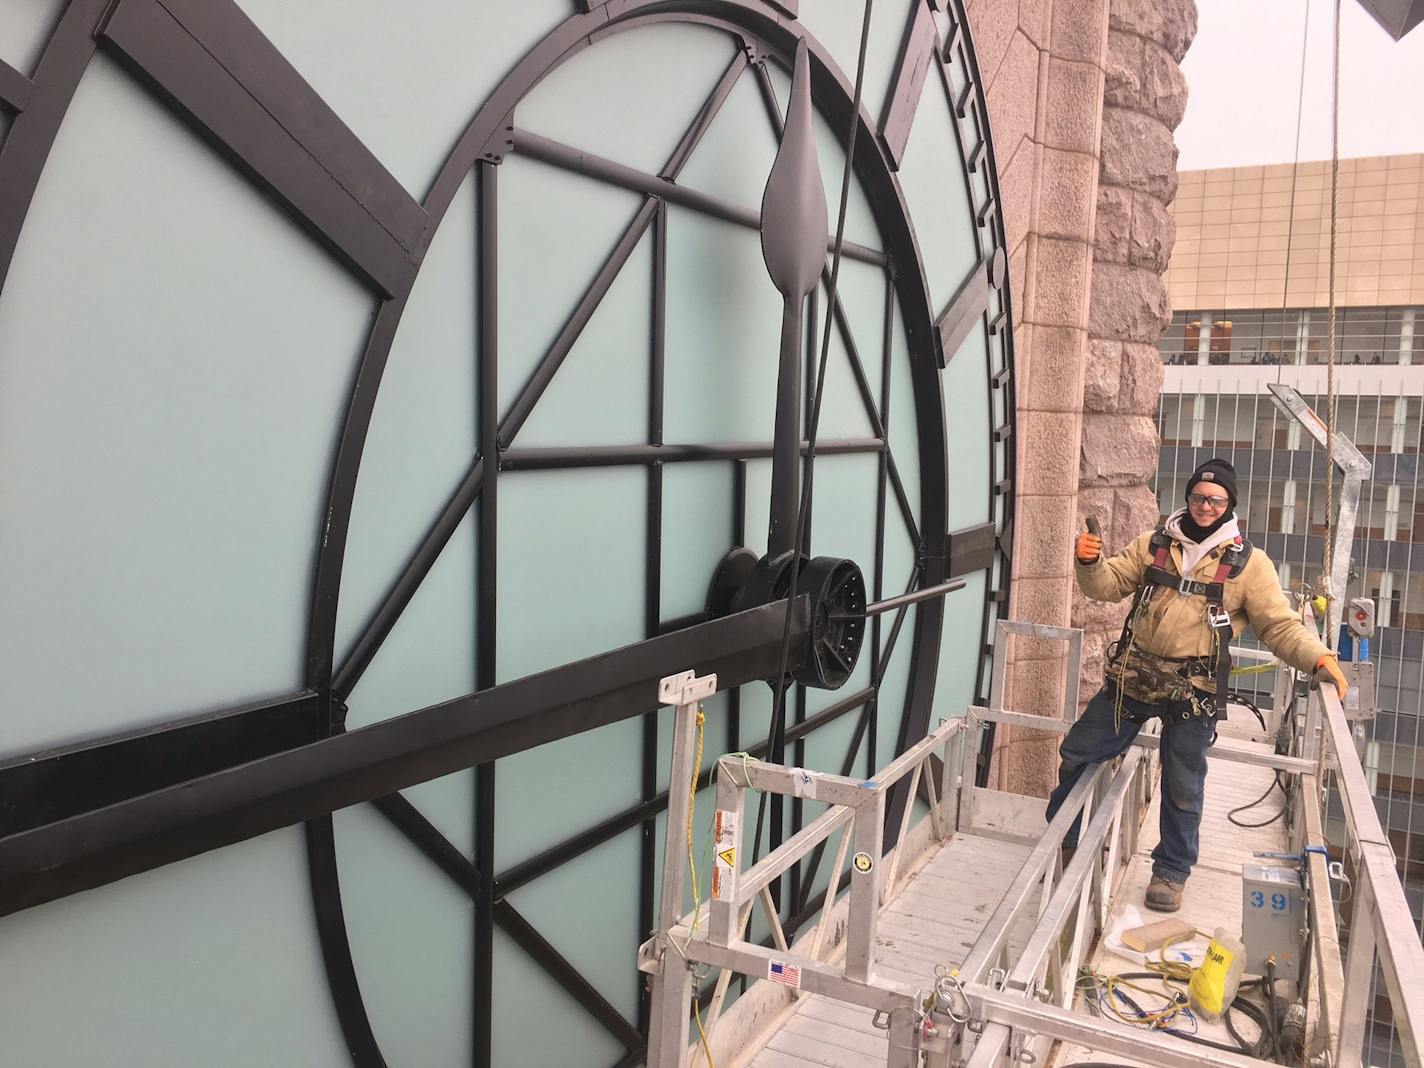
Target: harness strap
1213, 590
1221, 622
1233, 561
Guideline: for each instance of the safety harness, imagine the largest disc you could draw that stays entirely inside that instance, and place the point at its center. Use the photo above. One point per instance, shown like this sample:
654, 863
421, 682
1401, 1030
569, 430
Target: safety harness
1157, 577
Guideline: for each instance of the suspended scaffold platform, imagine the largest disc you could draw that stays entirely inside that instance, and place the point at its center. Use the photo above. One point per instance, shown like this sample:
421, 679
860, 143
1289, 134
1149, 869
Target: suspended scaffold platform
969, 942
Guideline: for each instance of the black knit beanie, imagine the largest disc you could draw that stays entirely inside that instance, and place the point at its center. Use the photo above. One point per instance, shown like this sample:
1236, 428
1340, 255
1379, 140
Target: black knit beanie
1218, 471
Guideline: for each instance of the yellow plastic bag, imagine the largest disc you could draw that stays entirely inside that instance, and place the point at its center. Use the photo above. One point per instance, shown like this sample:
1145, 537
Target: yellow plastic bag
1213, 985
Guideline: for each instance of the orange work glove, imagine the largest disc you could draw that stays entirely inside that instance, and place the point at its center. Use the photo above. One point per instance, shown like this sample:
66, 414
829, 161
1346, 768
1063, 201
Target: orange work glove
1327, 669
1089, 548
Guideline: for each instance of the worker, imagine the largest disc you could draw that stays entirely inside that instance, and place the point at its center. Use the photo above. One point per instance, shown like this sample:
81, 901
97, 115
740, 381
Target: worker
1172, 660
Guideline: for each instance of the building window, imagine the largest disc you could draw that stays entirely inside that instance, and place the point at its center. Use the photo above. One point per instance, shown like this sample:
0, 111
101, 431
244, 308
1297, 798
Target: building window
1288, 507
1391, 513
1386, 600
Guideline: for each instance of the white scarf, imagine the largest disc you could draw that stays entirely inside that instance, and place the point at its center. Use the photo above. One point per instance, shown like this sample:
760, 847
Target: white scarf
1193, 552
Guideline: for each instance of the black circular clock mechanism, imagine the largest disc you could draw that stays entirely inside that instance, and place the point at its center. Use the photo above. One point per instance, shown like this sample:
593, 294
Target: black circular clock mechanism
836, 588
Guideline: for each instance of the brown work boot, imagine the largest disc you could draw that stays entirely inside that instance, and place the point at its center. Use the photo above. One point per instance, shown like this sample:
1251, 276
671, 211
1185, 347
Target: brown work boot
1163, 895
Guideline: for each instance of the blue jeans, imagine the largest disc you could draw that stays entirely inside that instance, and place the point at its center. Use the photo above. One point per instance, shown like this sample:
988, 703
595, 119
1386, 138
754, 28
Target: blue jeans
1093, 740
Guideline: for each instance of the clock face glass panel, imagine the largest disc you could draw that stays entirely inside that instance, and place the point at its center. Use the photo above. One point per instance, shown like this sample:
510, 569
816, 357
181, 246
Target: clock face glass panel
208, 390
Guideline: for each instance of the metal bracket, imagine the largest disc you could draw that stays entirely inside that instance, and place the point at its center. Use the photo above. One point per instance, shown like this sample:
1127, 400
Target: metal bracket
686, 687
650, 956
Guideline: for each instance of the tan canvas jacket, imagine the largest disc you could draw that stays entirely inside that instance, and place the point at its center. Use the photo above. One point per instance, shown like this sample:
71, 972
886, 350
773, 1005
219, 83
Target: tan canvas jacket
1175, 625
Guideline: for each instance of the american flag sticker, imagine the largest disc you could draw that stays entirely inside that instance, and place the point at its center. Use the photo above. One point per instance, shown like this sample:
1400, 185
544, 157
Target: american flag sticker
778, 971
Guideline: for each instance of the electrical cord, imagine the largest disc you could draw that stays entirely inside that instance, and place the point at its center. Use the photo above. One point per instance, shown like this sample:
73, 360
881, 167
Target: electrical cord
1260, 1048
1275, 782
1273, 1018
1242, 699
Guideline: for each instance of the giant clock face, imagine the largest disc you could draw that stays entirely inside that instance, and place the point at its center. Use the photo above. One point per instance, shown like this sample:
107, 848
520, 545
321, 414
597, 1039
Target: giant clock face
309, 422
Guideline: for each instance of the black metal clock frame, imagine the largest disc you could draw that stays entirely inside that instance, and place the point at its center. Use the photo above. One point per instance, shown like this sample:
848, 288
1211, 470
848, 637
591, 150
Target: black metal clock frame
85, 815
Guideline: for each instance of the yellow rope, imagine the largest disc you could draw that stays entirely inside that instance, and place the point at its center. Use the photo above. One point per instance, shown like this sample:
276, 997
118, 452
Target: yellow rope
692, 871
1256, 669
691, 813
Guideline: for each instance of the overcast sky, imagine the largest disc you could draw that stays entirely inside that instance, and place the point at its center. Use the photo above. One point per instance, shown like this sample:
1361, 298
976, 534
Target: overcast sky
1243, 72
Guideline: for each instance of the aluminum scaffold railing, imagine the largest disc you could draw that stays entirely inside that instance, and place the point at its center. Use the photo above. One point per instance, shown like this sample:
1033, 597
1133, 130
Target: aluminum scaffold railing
998, 1005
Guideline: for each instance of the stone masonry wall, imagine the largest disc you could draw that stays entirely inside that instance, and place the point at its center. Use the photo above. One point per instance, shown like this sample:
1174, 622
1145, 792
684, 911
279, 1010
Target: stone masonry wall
1083, 96
1144, 97
1043, 62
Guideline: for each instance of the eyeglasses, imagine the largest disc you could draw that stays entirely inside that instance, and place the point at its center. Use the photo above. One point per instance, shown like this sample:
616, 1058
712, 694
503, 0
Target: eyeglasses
1202, 498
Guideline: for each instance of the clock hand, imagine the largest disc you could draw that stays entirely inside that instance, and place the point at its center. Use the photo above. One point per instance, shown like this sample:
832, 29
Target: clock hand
793, 244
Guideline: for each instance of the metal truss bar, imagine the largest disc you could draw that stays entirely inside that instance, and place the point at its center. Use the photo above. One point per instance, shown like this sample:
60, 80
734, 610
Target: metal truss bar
845, 795
221, 72
884, 995
396, 600
438, 849
569, 333
852, 351
239, 803
527, 871
384, 619
32, 133
1219, 751
336, 946
1006, 1012
560, 155
653, 566
486, 601
43, 788
813, 863
426, 837
777, 863
563, 457
528, 938
710, 107
15, 88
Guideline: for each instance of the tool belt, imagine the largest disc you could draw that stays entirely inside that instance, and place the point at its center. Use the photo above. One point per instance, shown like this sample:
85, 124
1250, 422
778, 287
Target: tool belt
1147, 677
1156, 679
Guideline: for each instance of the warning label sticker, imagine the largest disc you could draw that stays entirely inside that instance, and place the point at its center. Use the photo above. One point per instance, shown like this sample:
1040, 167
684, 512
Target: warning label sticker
724, 841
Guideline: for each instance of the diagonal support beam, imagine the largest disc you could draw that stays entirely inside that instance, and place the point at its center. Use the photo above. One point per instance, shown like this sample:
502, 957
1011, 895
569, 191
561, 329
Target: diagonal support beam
229, 80
15, 88
426, 837
378, 628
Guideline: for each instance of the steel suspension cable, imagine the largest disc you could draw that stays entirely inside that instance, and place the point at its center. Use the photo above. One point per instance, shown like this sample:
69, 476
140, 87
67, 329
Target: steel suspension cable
1290, 217
1333, 595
